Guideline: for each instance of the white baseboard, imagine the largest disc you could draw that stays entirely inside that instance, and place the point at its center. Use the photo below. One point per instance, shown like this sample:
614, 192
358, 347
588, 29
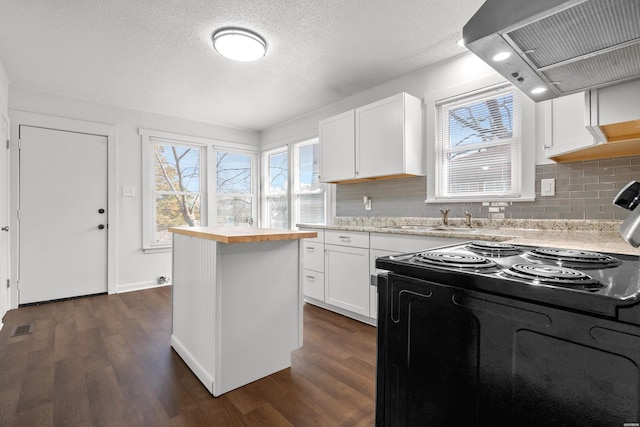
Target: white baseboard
205, 377
346, 313
130, 287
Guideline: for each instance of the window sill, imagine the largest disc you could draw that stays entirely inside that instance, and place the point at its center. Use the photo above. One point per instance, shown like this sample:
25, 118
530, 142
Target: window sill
475, 200
156, 249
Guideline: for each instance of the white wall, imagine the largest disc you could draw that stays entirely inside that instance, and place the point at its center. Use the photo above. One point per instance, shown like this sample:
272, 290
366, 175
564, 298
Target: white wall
134, 269
461, 69
458, 71
4, 89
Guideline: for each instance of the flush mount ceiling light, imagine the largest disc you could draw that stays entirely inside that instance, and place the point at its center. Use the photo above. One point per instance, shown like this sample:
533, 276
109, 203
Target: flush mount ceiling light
239, 44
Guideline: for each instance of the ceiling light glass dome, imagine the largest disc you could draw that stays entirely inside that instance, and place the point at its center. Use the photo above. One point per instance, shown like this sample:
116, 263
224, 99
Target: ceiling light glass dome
239, 44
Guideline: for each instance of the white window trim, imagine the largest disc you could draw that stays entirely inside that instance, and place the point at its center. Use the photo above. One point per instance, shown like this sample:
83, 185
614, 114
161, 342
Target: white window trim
208, 205
528, 140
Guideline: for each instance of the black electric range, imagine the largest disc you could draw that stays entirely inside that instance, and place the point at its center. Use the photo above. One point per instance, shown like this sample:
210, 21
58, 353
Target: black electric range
570, 278
494, 334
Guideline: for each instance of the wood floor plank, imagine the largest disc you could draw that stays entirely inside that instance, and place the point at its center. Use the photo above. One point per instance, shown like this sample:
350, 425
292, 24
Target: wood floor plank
37, 384
71, 397
107, 360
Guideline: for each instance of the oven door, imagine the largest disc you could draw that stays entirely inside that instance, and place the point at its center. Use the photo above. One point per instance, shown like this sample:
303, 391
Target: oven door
448, 356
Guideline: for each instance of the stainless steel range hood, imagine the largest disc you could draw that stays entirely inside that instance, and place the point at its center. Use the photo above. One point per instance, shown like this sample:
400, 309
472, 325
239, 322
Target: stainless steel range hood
563, 46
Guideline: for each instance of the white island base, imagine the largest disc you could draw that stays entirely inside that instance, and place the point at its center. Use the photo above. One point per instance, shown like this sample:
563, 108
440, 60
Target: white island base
237, 308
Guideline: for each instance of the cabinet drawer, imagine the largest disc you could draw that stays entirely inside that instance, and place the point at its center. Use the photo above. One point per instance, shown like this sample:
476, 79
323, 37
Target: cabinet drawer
347, 238
319, 239
313, 256
313, 284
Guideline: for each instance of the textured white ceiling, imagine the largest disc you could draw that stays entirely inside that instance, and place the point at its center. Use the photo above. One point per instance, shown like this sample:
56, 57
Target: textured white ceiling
156, 55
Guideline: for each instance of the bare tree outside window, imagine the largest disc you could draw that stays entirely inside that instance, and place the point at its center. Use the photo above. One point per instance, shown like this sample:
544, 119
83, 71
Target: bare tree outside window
277, 190
309, 191
234, 189
178, 195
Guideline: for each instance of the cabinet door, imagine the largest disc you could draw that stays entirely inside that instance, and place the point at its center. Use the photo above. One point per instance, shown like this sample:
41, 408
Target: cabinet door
347, 278
379, 138
568, 130
337, 148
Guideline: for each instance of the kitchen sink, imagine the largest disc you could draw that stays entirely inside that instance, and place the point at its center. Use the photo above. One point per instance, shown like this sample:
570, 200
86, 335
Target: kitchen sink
410, 227
458, 229
435, 228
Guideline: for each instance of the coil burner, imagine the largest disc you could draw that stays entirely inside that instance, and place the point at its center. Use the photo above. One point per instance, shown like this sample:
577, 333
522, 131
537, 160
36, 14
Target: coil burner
553, 275
493, 249
574, 258
458, 261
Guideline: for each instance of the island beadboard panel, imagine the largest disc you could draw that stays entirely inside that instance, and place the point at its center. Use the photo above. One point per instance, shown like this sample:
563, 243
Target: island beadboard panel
584, 190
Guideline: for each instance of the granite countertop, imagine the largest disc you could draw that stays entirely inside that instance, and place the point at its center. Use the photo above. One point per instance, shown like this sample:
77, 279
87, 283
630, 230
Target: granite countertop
242, 234
598, 236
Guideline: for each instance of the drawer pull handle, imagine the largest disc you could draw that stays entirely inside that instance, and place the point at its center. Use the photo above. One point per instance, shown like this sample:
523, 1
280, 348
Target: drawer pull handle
310, 277
311, 249
345, 238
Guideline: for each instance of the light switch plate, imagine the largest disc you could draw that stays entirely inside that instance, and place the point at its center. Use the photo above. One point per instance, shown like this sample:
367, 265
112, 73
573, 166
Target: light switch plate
128, 191
548, 187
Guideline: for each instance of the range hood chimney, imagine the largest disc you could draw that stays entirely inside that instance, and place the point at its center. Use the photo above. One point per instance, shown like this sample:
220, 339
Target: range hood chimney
558, 47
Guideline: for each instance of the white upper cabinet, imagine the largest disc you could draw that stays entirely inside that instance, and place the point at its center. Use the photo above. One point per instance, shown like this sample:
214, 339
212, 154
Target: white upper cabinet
377, 141
337, 148
567, 131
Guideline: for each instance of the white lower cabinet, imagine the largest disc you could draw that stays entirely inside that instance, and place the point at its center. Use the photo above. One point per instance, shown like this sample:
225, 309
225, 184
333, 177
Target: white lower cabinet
347, 278
313, 284
339, 268
312, 258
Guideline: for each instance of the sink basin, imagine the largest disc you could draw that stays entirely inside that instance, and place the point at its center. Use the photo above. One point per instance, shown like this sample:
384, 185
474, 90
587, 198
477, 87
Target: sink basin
435, 228
458, 229
410, 227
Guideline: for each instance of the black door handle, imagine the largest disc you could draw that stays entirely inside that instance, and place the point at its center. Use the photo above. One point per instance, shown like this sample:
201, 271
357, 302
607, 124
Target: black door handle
101, 211
101, 227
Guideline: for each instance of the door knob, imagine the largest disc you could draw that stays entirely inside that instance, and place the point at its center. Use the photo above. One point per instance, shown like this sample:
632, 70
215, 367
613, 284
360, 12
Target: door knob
101, 227
100, 211
5, 228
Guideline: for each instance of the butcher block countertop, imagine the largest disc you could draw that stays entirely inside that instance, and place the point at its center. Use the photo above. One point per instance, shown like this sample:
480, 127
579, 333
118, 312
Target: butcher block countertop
239, 234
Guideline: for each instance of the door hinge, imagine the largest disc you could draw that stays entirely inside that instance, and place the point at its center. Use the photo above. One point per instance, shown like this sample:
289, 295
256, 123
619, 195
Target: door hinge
8, 283
7, 144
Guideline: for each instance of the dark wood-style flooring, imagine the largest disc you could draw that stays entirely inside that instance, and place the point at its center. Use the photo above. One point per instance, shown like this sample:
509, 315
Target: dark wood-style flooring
107, 361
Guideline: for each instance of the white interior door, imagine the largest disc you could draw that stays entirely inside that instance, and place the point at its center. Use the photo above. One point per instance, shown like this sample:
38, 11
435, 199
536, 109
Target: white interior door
4, 216
63, 214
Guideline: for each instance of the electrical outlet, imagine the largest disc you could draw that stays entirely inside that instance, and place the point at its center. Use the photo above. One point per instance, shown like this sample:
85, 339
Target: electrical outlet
548, 187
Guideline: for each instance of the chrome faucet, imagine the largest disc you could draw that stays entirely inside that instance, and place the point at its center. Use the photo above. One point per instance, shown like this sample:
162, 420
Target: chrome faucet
467, 214
445, 217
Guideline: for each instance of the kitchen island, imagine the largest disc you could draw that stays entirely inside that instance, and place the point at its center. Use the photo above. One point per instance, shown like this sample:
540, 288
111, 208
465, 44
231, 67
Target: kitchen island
236, 302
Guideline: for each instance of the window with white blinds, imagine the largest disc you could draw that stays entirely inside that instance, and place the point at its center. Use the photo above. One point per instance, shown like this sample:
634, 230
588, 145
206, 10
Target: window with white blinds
478, 145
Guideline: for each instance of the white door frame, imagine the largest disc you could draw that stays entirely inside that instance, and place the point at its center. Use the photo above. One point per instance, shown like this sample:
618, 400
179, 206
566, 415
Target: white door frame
4, 205
19, 118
